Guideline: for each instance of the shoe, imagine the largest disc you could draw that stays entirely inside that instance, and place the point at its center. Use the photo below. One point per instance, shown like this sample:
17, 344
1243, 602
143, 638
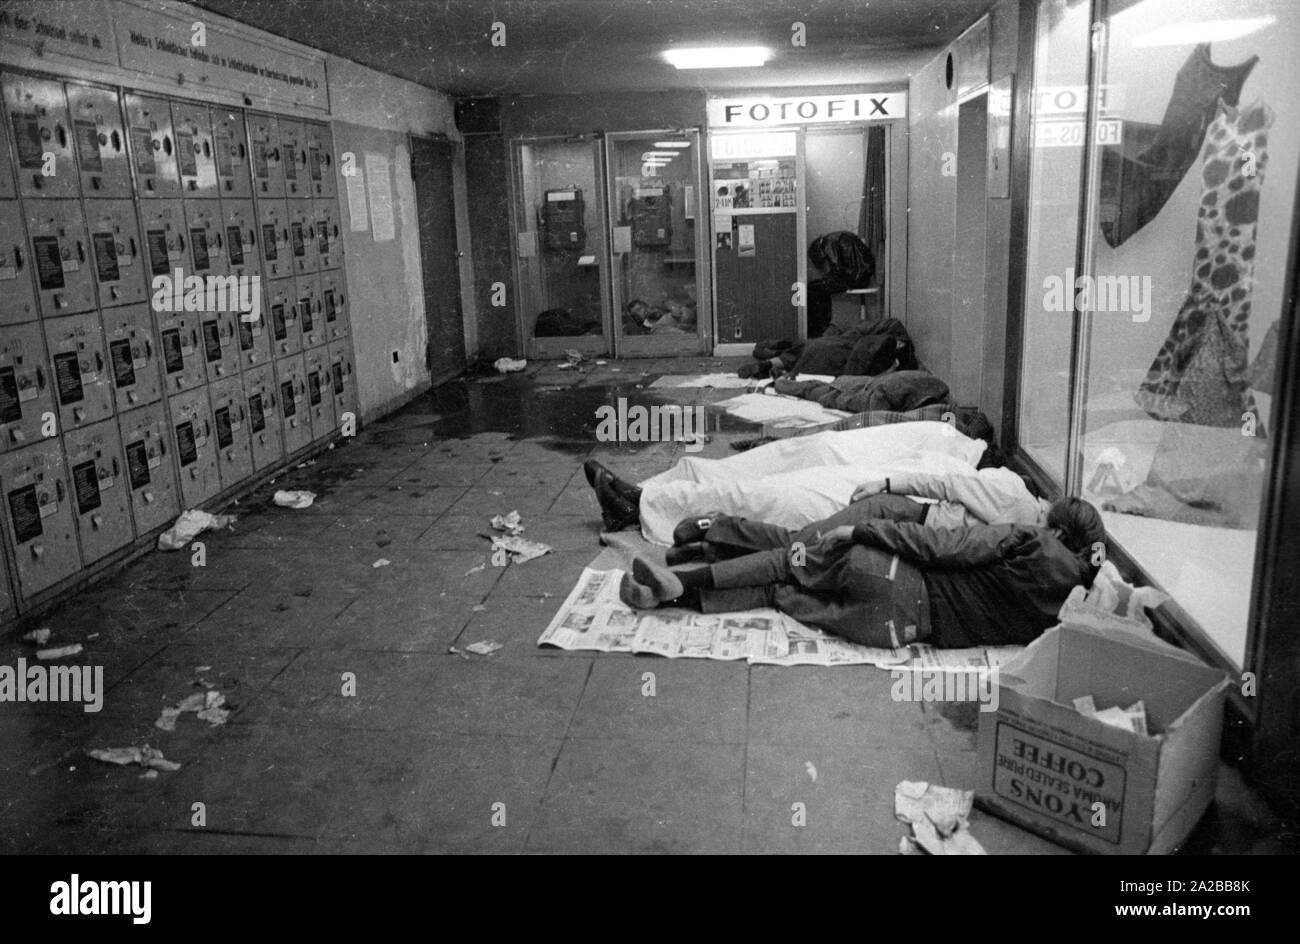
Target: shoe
692, 530
636, 595
616, 512
662, 581
597, 474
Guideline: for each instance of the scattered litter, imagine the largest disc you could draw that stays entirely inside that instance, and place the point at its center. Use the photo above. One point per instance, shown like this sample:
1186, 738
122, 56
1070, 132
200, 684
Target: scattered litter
209, 706
601, 363
39, 636
294, 499
93, 636
565, 367
474, 570
484, 648
496, 492
520, 550
478, 607
382, 562
149, 757
508, 365
1132, 718
511, 523
331, 445
812, 771
60, 652
573, 357
303, 465
463, 655
190, 525
939, 817
150, 774
203, 668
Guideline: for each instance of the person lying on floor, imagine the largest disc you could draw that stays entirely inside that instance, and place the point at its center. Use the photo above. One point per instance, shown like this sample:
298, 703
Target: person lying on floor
790, 482
890, 583
994, 495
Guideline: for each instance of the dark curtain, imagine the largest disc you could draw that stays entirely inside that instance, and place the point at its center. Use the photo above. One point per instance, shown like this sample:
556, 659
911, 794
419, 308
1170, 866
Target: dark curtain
871, 220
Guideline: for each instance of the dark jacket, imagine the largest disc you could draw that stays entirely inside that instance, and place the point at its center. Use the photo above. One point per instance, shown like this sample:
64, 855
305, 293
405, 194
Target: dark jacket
990, 585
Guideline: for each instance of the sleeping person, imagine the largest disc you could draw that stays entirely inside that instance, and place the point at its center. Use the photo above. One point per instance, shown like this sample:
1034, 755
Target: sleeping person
890, 583
790, 482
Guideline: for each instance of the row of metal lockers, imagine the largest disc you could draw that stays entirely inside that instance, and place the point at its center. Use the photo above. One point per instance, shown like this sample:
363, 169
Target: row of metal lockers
116, 413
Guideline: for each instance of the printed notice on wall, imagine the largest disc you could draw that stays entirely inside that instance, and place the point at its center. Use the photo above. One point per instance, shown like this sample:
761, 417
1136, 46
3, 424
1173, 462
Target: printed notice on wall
358, 215
380, 189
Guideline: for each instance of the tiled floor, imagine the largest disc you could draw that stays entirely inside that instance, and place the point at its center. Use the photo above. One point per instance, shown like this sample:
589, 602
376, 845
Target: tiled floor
526, 750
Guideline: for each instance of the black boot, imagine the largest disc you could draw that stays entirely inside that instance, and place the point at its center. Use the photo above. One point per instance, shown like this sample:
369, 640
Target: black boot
686, 553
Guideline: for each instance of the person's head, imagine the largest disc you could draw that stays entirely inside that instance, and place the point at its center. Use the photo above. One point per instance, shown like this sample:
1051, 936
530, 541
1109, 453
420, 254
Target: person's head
1077, 523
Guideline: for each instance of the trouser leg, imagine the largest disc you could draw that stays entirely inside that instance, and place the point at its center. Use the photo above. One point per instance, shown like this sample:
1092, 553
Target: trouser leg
730, 537
892, 507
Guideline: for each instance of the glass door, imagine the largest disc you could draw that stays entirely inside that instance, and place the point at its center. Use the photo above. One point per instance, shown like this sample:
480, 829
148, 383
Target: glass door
560, 247
657, 243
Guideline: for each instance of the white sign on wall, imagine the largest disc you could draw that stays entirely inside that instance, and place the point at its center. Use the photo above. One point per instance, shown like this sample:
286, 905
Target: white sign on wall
760, 112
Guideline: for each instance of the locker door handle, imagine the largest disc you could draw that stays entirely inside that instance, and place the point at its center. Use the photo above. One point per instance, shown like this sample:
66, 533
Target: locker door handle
18, 257
207, 430
40, 378
58, 488
62, 135
252, 237
134, 250
167, 145
243, 414
194, 339
243, 152
275, 154
148, 349
81, 251
207, 151
180, 238
116, 139
221, 244
99, 362
116, 469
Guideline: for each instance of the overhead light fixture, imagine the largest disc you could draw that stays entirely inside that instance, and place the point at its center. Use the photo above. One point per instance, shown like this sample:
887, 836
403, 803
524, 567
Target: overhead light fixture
718, 57
666, 155
1189, 34
672, 144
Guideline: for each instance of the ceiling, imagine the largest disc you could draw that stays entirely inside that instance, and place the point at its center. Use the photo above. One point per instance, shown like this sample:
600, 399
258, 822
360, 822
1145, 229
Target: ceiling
569, 46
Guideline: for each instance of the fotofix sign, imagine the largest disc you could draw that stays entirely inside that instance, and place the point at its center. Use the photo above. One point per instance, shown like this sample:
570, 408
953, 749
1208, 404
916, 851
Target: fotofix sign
763, 112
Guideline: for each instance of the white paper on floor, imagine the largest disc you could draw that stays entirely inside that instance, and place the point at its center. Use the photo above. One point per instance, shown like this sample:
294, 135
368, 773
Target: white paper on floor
511, 523
209, 706
520, 550
939, 817
780, 412
593, 618
190, 525
294, 499
145, 756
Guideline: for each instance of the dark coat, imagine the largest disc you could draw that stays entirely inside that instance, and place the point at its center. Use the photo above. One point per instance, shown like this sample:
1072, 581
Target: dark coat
990, 585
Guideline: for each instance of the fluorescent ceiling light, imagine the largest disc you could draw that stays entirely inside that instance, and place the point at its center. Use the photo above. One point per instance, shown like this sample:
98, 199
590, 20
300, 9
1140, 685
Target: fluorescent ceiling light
1189, 34
666, 155
672, 144
717, 57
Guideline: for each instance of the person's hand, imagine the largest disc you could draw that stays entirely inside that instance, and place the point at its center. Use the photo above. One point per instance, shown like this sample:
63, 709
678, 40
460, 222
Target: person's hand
867, 489
838, 535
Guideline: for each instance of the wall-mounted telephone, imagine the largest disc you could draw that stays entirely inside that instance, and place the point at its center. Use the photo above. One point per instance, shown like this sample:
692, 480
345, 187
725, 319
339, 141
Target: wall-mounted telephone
563, 226
650, 212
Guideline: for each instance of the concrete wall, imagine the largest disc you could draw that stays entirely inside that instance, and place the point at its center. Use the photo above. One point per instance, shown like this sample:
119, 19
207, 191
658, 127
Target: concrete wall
374, 113
939, 302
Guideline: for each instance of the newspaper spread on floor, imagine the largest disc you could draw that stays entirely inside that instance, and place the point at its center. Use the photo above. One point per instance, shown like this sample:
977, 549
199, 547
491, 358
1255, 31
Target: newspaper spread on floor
594, 618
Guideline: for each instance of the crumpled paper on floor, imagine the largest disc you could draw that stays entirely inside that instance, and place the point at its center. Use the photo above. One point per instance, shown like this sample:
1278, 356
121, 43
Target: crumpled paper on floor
519, 549
939, 817
190, 525
511, 523
294, 499
146, 756
209, 706
484, 648
39, 636
60, 652
508, 365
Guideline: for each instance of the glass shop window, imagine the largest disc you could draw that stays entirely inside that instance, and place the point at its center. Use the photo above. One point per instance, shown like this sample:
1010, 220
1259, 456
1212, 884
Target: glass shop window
1189, 222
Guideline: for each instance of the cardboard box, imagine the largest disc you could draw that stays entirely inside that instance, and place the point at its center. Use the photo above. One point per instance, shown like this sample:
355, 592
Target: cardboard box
1086, 784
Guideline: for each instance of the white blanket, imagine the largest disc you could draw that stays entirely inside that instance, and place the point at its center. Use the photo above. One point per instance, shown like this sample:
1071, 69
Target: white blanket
794, 482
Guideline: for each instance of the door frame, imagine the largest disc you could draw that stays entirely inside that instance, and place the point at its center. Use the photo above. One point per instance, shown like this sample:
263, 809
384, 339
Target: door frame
667, 345
458, 254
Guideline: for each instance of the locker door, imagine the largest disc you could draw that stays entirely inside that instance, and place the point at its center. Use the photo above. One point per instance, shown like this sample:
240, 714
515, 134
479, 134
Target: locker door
239, 226
220, 344
207, 238
329, 237
273, 234
132, 358
118, 263
254, 343
153, 146
293, 150
320, 160
196, 450
263, 415
100, 139
230, 423
180, 351
334, 304
8, 189
320, 392
81, 376
38, 121
61, 256
17, 291
26, 392
8, 600
230, 147
343, 383
281, 311
291, 381
195, 154
311, 314
165, 240
265, 154
41, 533
302, 237
99, 489
155, 498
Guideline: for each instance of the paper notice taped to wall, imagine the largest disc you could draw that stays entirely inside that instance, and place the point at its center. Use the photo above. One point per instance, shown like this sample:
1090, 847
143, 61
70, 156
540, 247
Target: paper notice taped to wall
358, 214
380, 190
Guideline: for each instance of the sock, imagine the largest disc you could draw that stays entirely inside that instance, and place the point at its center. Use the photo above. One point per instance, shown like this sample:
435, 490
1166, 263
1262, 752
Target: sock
695, 578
